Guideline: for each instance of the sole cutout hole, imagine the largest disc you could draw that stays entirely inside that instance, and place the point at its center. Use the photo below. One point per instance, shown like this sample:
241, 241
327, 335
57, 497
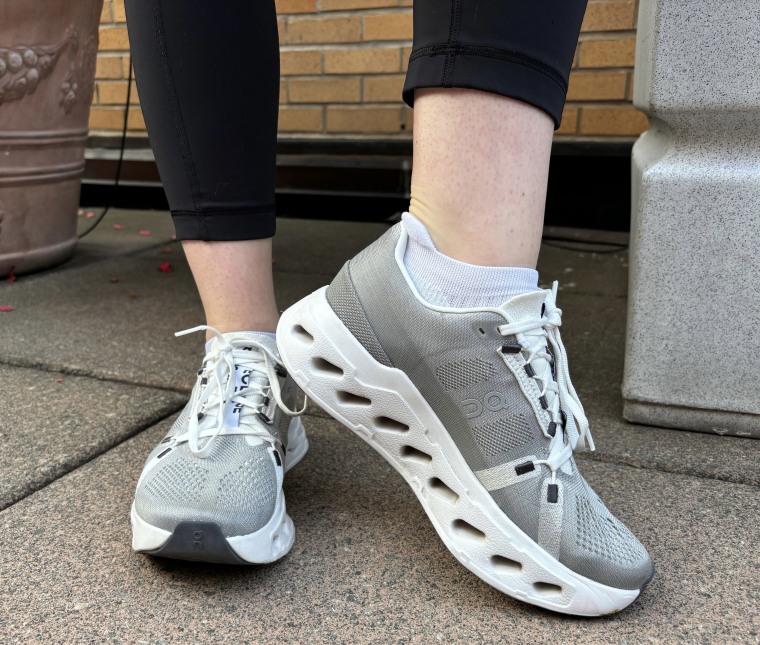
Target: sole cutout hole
349, 398
303, 335
326, 367
505, 565
547, 588
412, 454
467, 530
440, 489
386, 423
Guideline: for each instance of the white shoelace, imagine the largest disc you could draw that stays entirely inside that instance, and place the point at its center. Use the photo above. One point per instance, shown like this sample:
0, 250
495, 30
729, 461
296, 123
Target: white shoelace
208, 416
533, 335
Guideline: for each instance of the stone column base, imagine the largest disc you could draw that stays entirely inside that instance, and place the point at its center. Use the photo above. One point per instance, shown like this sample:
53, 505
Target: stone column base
710, 421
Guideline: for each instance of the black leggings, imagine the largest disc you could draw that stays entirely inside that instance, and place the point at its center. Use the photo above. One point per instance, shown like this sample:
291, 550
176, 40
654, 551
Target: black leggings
208, 76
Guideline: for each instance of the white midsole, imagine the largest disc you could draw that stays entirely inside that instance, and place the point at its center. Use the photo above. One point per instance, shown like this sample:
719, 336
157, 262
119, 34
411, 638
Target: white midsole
269, 543
298, 443
538, 578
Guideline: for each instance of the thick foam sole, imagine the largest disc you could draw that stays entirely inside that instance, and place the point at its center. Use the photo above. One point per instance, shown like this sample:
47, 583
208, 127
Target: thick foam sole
383, 407
206, 542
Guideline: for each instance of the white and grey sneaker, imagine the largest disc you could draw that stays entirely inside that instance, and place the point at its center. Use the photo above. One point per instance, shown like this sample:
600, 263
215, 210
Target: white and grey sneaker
212, 488
475, 408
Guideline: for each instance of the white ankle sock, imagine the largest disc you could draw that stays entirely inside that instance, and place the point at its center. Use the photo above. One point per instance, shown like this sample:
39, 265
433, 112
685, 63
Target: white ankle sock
268, 334
446, 282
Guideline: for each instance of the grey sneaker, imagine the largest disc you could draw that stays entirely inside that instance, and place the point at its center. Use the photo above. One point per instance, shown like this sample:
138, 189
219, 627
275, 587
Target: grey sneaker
474, 407
212, 488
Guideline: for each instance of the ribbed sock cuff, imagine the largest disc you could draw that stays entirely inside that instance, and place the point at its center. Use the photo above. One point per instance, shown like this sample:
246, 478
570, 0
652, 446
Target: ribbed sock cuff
446, 282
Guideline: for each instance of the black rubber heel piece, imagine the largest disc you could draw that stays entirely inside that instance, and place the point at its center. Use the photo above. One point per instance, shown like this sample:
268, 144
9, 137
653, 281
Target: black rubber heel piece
200, 542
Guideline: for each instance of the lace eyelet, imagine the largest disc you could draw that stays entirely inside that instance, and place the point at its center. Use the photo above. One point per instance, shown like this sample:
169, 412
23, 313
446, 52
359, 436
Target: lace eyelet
511, 348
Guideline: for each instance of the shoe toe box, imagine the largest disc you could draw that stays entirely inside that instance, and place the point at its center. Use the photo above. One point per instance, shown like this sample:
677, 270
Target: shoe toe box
235, 487
599, 546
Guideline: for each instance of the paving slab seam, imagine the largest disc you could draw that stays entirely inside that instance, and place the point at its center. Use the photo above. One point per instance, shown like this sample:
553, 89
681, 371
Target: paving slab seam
74, 371
67, 469
644, 465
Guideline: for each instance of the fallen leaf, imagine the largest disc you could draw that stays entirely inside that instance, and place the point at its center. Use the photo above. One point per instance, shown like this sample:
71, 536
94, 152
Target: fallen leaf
118, 227
89, 215
133, 294
114, 280
144, 233
167, 249
165, 267
11, 276
59, 380
6, 308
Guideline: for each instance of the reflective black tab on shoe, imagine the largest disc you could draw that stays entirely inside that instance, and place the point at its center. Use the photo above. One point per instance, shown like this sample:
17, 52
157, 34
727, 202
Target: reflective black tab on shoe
527, 467
263, 417
511, 347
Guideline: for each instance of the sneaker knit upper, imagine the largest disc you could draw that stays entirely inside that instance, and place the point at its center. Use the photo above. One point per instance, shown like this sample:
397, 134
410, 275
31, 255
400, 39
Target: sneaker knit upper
453, 357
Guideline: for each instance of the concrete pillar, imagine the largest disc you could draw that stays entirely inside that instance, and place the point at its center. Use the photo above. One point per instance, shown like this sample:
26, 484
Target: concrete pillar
693, 340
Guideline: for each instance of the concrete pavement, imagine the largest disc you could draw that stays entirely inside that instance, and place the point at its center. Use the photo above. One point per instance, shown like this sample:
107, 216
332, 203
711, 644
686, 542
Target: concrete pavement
91, 377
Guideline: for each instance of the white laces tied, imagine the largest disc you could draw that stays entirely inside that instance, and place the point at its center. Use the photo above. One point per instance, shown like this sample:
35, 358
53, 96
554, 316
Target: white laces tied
533, 334
221, 391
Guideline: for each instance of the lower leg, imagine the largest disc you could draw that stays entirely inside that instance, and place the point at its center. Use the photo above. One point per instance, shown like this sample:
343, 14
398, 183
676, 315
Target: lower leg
481, 163
213, 129
234, 280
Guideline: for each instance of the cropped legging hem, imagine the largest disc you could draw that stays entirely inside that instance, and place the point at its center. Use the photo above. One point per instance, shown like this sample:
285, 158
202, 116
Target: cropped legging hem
224, 225
490, 70
209, 79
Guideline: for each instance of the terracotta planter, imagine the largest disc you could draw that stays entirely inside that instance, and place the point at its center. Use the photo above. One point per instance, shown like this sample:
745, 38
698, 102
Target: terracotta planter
47, 68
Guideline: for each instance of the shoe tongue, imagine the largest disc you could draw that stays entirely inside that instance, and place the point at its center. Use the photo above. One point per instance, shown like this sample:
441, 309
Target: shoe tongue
243, 374
263, 339
244, 377
523, 307
526, 305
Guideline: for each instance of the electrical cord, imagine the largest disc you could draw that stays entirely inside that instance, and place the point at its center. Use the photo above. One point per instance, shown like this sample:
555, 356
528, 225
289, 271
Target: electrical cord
121, 154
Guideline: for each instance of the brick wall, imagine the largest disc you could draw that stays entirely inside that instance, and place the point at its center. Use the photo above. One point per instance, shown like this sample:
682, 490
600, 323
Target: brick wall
343, 64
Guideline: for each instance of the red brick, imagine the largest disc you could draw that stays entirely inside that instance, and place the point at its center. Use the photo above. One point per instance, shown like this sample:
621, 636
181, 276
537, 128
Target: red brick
619, 52
300, 119
610, 16
612, 120
597, 85
323, 30
300, 62
381, 89
362, 60
295, 6
388, 26
327, 89
363, 119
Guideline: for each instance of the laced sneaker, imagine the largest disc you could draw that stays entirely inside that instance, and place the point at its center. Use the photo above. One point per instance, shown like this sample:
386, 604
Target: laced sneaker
475, 408
212, 488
